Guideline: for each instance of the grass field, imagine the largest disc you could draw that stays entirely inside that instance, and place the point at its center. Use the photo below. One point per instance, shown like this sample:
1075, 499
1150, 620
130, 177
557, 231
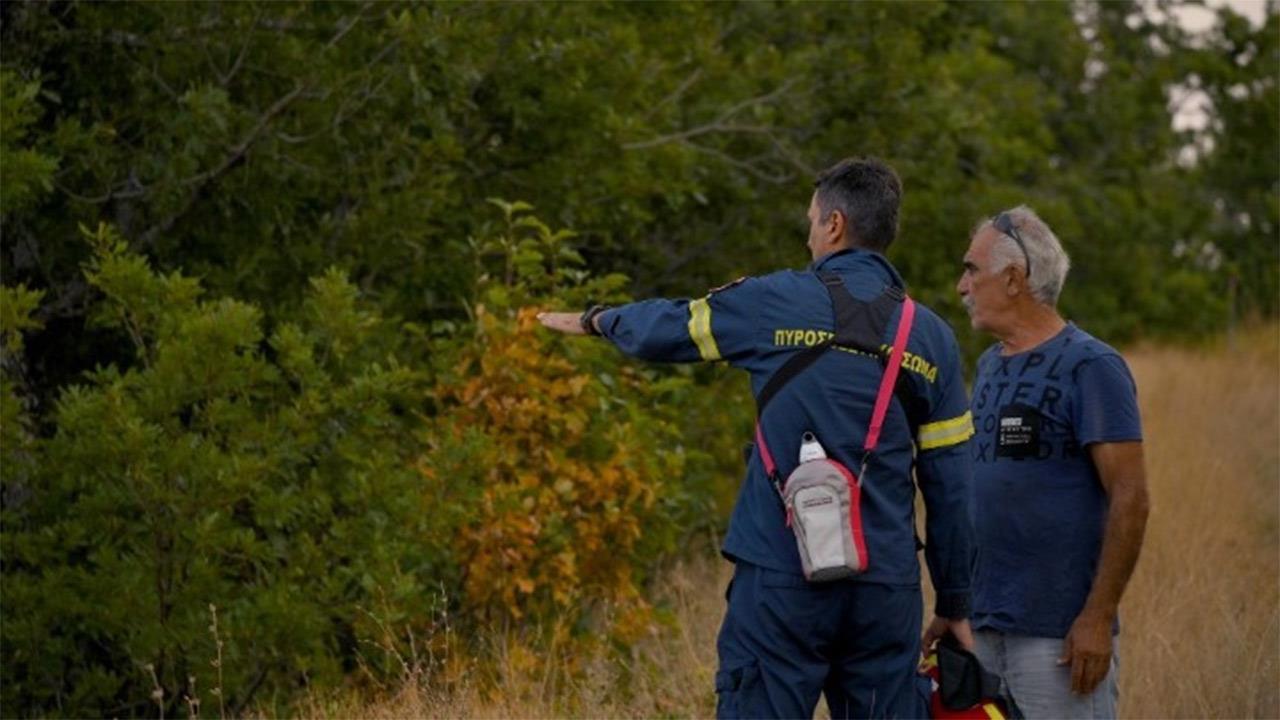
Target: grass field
1201, 618
1202, 614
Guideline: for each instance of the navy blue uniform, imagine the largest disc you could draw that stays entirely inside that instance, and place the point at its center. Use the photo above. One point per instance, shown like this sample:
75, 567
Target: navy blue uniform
785, 640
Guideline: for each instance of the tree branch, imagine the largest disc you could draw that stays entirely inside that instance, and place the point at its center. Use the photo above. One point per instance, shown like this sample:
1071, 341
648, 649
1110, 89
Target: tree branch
677, 93
695, 132
720, 124
200, 180
239, 150
747, 166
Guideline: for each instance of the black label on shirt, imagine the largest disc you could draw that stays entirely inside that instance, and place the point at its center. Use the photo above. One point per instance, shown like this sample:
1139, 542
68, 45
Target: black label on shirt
1018, 436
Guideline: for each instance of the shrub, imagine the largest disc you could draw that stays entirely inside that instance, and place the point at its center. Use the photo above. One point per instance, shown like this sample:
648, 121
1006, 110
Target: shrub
246, 507
266, 474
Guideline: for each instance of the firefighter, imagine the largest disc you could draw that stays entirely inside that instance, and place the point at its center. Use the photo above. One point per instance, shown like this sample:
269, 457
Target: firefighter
785, 640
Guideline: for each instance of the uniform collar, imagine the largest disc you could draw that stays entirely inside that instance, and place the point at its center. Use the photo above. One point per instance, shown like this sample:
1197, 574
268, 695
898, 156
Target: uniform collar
857, 258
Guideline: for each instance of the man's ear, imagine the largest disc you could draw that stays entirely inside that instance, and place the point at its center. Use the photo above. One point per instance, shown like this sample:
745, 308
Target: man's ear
1015, 281
836, 226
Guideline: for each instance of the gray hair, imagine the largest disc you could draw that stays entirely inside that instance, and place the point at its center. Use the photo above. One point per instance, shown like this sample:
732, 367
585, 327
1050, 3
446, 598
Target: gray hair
1049, 262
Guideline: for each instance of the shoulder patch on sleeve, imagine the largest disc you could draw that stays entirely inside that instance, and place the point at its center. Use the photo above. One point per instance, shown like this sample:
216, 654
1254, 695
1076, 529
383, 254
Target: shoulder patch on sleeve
727, 285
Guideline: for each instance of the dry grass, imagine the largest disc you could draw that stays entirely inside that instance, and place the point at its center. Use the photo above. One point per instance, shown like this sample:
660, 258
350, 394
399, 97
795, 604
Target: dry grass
1201, 618
667, 675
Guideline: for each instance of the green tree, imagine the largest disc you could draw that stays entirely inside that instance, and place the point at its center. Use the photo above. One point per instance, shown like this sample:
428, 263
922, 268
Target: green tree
1238, 176
265, 473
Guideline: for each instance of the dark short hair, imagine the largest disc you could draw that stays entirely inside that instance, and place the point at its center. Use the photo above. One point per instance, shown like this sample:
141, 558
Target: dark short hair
867, 192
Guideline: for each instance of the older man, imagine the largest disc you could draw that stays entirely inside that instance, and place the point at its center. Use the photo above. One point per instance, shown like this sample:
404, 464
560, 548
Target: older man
1059, 493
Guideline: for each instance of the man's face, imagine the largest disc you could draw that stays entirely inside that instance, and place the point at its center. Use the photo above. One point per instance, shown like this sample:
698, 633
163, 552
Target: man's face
984, 293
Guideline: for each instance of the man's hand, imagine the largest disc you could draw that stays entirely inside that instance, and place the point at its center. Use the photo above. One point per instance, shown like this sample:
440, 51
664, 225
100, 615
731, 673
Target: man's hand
941, 626
567, 323
1087, 648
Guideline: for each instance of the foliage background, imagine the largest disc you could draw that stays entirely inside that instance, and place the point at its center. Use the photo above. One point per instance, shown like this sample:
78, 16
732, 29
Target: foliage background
267, 344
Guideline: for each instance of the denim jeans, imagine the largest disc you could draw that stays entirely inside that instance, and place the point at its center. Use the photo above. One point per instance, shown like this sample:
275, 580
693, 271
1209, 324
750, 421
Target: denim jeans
1037, 685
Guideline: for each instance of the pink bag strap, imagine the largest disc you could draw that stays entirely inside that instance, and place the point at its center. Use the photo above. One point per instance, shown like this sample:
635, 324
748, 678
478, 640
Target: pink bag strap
890, 377
765, 456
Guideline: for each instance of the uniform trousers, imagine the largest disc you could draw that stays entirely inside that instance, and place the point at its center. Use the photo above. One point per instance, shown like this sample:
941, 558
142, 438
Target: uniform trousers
785, 641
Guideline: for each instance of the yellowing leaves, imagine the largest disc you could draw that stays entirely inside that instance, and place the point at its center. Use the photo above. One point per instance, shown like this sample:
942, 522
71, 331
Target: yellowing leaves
562, 498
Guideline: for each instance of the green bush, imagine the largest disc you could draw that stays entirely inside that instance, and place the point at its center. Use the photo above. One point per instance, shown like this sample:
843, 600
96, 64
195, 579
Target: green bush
262, 472
326, 489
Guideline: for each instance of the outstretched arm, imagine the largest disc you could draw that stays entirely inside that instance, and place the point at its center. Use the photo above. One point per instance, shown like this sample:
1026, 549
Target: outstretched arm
719, 326
658, 330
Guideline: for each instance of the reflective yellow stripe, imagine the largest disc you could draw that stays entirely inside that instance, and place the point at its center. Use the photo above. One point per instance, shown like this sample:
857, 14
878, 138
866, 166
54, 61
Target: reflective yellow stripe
700, 329
946, 432
993, 712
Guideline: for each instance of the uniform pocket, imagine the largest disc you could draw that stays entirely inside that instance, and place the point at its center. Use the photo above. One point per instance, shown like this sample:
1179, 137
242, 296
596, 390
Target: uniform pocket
735, 689
774, 579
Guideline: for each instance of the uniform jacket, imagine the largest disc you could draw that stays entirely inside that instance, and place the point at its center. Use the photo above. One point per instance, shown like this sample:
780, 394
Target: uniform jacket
758, 323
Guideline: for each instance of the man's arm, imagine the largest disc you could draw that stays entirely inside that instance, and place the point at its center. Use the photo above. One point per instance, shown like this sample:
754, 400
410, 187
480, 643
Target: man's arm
1088, 644
723, 325
944, 472
658, 329
944, 476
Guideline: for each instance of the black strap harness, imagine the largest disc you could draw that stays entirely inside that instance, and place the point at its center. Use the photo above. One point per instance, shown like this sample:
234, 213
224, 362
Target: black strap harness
859, 326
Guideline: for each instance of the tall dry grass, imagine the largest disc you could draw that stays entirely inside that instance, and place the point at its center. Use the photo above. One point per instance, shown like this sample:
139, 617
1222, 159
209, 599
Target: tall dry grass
669, 674
1201, 618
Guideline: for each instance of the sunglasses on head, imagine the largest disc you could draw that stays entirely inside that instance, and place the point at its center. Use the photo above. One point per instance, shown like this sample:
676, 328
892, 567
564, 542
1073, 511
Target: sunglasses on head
1004, 224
